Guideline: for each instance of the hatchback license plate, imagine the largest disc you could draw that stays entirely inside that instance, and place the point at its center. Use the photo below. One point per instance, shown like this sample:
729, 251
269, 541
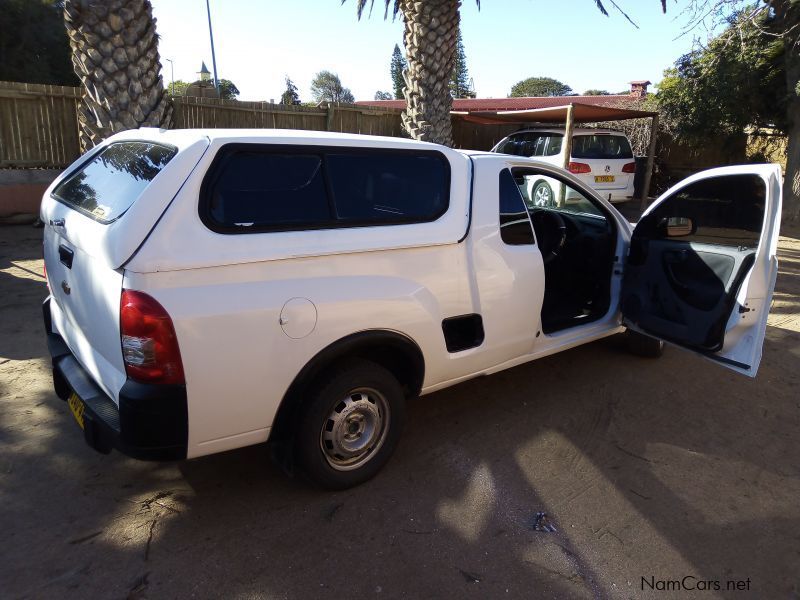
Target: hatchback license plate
604, 179
76, 406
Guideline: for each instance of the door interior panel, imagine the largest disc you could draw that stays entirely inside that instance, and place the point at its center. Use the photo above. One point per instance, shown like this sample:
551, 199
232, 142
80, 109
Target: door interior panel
689, 257
698, 277
685, 291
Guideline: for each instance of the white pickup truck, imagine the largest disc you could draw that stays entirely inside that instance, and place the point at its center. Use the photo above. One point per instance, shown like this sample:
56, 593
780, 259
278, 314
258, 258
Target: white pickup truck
212, 289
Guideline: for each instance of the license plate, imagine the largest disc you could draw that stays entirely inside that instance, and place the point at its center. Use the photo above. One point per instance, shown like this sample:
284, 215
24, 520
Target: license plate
76, 406
604, 179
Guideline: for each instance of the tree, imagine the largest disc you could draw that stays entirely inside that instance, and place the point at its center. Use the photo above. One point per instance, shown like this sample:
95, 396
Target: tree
290, 95
115, 55
430, 37
379, 95
34, 47
227, 89
596, 93
737, 80
779, 19
539, 86
177, 87
397, 67
326, 87
459, 80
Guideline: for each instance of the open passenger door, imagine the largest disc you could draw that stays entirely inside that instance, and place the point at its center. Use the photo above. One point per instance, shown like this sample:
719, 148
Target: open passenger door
702, 264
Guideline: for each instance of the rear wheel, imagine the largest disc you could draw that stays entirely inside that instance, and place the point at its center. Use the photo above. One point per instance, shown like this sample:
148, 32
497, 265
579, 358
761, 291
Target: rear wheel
351, 425
644, 345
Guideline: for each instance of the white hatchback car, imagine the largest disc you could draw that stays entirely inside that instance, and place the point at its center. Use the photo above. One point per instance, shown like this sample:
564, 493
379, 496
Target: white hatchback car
601, 158
212, 289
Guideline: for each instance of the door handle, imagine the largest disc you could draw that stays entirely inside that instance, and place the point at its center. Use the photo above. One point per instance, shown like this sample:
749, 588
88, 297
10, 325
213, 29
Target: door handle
65, 255
673, 278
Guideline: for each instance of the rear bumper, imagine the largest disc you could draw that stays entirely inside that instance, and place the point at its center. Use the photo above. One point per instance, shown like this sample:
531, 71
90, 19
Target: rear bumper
151, 422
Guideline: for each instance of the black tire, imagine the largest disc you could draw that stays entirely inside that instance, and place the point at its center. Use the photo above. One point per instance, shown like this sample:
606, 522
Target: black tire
353, 395
644, 345
542, 195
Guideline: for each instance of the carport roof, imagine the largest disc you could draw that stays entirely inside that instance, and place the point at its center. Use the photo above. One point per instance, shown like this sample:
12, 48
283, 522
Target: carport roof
543, 109
582, 113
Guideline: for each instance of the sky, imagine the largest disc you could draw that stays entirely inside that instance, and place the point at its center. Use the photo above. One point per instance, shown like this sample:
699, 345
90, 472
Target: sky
259, 42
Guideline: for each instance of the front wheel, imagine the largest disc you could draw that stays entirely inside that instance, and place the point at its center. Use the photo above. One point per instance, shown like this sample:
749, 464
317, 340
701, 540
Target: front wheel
351, 425
543, 195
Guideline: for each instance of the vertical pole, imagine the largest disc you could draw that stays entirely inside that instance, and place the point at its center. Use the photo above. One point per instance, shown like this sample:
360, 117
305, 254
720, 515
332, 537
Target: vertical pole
331, 113
651, 156
213, 55
172, 70
570, 128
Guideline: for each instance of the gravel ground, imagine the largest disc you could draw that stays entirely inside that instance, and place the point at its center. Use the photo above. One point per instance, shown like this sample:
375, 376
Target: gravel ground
649, 471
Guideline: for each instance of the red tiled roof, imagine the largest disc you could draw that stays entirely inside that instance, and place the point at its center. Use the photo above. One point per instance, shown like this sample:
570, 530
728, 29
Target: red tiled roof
528, 103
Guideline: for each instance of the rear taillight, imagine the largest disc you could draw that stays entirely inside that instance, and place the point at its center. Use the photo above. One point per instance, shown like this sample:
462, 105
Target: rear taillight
577, 168
629, 168
149, 344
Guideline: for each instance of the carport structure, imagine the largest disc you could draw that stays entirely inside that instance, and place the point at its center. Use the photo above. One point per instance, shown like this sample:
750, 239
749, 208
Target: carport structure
568, 115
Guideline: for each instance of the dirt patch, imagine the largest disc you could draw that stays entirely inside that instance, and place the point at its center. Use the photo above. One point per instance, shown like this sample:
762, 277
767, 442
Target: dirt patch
587, 474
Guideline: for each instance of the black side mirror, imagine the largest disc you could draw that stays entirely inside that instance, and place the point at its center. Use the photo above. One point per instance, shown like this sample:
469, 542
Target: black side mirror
676, 227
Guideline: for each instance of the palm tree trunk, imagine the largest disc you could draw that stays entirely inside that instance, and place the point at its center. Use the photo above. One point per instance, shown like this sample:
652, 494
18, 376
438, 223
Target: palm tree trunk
431, 33
115, 55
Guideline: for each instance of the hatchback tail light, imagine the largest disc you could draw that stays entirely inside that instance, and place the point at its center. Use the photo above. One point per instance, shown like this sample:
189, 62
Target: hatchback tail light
577, 168
629, 168
149, 344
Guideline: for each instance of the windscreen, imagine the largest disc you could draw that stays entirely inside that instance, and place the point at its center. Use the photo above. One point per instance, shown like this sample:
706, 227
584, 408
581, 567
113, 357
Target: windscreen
108, 185
601, 146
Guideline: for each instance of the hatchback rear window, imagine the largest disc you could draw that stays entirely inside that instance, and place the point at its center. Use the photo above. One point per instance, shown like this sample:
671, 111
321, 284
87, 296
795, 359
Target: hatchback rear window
601, 146
108, 185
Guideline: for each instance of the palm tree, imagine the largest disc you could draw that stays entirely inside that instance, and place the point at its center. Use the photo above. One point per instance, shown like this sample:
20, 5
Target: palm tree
431, 33
115, 55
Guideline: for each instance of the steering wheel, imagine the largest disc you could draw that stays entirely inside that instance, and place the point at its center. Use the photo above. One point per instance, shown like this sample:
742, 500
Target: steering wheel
551, 233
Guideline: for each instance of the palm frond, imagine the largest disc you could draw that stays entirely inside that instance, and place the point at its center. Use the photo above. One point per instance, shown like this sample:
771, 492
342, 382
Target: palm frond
603, 10
600, 6
362, 4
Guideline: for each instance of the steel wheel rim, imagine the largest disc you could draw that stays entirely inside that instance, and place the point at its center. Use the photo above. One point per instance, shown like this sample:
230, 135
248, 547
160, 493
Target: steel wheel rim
541, 196
355, 429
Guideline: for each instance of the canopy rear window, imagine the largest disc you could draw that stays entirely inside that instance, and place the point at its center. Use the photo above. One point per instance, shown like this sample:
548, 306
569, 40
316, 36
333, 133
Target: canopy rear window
603, 146
108, 185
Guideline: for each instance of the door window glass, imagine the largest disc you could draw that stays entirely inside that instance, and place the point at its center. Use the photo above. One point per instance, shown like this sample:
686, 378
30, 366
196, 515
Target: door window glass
541, 191
515, 226
727, 210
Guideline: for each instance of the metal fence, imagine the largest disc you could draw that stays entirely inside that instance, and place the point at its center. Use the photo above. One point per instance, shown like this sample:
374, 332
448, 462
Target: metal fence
38, 125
